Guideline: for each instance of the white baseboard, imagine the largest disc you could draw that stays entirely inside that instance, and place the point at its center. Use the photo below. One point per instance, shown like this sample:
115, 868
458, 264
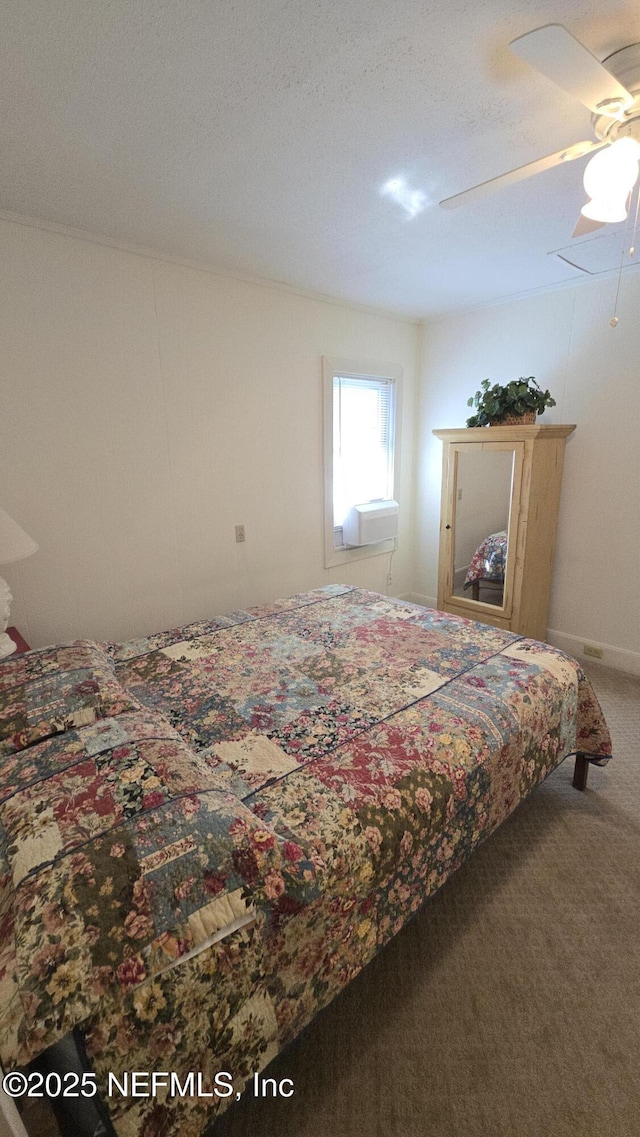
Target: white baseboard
618, 658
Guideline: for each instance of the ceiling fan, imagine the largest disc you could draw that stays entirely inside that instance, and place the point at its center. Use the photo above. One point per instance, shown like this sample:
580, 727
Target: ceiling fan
612, 94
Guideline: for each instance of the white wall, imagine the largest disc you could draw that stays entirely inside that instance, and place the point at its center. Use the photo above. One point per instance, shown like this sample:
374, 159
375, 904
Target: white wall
593, 371
146, 409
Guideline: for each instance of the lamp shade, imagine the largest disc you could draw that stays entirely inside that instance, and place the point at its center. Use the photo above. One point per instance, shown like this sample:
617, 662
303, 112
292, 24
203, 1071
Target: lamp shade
14, 542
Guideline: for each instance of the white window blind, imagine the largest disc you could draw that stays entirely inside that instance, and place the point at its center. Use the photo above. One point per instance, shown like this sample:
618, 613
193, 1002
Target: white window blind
363, 429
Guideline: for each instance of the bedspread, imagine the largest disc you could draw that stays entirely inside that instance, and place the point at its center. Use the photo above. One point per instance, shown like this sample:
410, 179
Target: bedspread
208, 832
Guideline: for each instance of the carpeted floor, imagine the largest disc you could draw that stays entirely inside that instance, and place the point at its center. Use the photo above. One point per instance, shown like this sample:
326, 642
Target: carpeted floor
510, 1007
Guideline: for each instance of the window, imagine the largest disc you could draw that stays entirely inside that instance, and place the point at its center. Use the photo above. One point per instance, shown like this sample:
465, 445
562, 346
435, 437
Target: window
360, 447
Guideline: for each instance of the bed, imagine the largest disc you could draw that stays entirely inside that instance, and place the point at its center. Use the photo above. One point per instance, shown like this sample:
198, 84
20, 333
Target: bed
487, 563
208, 832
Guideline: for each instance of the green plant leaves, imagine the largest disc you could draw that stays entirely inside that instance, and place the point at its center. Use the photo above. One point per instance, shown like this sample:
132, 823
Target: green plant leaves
496, 402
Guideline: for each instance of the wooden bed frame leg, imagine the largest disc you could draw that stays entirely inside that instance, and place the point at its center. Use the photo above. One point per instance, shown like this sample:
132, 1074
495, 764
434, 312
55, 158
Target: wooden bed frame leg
580, 771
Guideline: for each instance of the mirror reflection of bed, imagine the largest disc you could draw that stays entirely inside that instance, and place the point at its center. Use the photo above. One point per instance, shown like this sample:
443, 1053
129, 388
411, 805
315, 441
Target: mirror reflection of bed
482, 499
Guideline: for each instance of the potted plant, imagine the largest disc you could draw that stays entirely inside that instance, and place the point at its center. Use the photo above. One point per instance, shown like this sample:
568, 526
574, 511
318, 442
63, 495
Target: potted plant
517, 402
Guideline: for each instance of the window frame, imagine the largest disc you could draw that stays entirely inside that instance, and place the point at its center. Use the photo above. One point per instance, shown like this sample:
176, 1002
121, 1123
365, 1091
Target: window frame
356, 369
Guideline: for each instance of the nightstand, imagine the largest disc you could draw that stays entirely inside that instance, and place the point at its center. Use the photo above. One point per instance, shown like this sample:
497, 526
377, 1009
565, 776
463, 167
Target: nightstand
21, 645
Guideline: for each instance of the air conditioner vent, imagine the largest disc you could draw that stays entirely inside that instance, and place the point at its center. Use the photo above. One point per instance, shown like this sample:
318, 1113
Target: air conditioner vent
370, 523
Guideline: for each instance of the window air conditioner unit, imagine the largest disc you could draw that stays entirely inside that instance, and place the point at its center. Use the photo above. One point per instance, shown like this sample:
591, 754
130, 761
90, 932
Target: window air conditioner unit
370, 523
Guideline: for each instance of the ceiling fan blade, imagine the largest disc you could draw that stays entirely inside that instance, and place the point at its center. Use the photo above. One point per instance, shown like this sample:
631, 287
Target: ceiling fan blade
578, 150
563, 59
586, 225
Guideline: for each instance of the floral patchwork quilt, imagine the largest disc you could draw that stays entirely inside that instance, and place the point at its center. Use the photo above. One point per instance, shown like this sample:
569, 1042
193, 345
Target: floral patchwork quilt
206, 833
489, 560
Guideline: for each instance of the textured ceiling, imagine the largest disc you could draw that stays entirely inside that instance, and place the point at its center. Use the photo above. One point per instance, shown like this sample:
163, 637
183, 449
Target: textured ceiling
256, 136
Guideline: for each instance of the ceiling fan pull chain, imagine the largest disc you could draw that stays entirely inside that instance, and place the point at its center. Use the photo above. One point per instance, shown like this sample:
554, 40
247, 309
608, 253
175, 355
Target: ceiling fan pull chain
635, 222
613, 322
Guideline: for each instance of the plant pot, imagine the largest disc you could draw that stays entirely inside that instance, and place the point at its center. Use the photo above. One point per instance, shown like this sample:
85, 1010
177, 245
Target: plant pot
527, 419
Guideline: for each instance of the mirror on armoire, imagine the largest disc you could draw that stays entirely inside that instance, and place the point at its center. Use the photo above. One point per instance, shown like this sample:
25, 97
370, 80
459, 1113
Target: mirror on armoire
483, 480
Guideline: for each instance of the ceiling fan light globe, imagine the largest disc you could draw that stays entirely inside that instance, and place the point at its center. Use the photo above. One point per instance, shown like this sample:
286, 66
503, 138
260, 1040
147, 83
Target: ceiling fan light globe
606, 209
613, 172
